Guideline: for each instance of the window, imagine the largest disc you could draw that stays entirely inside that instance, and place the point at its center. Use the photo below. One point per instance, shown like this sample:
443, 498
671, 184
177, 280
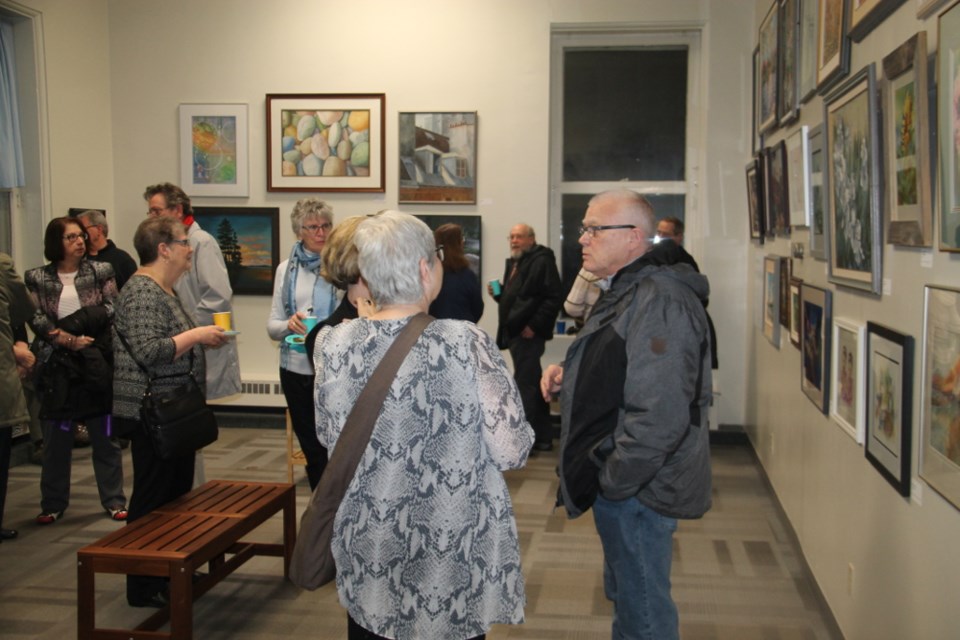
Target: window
623, 115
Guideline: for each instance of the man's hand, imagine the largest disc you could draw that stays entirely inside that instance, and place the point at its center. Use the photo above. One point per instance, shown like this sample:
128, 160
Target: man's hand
527, 333
551, 381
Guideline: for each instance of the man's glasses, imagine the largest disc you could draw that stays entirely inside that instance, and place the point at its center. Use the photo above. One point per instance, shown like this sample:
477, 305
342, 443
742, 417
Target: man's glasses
439, 252
592, 230
155, 211
313, 228
72, 237
183, 243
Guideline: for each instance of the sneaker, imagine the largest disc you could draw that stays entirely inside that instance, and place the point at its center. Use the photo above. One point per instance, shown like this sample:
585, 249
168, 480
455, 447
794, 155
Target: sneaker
117, 513
49, 517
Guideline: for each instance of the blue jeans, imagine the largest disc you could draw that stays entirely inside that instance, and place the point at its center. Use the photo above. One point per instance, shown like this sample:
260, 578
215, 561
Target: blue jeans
637, 553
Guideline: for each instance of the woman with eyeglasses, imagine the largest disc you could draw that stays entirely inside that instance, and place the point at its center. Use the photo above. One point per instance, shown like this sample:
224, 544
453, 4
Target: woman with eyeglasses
301, 298
74, 374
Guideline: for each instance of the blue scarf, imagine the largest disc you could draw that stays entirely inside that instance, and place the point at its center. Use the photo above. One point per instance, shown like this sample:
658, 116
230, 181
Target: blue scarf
324, 294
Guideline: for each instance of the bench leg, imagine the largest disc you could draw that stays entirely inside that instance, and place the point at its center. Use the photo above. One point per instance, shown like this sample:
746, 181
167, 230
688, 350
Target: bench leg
86, 599
181, 601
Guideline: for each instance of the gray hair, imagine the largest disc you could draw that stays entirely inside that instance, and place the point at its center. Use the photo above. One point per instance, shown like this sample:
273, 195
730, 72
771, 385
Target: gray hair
636, 207
309, 208
390, 246
153, 232
94, 218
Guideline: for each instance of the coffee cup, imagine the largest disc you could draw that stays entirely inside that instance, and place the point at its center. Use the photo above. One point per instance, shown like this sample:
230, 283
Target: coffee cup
495, 286
309, 322
223, 320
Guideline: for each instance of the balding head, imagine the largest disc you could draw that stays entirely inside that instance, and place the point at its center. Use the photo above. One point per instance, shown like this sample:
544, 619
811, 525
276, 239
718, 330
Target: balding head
522, 238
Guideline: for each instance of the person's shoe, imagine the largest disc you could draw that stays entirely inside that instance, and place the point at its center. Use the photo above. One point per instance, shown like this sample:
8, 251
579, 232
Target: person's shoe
543, 446
7, 534
49, 517
158, 601
117, 513
81, 437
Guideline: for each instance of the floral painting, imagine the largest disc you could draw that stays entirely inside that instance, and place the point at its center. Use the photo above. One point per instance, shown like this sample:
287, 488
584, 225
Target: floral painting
948, 133
888, 404
846, 406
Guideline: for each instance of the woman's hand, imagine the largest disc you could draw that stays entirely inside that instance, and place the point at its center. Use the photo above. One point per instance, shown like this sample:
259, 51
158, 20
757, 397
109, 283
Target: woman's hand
210, 335
295, 325
69, 341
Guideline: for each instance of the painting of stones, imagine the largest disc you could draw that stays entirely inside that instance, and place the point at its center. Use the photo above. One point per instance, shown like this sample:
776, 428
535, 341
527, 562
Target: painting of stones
438, 157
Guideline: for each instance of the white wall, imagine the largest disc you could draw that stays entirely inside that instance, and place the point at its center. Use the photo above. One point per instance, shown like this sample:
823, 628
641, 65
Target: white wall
905, 567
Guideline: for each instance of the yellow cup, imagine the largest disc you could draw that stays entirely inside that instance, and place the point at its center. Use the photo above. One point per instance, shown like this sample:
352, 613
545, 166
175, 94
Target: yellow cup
223, 320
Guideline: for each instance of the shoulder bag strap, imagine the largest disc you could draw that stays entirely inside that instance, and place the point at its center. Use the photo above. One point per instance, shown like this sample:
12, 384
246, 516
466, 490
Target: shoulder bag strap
356, 432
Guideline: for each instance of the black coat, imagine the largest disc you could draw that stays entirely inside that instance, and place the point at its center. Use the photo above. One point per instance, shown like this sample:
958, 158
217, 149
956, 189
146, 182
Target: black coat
532, 298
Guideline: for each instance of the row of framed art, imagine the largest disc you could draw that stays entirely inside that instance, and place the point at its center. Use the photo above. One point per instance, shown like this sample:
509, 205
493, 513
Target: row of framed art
862, 376
331, 143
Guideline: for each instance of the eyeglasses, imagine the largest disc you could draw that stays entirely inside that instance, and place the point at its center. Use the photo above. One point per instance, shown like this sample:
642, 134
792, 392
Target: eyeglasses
439, 252
313, 228
155, 211
72, 237
183, 243
593, 229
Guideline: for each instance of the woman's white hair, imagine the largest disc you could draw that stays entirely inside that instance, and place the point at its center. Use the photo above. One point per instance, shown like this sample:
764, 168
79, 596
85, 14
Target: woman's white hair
390, 246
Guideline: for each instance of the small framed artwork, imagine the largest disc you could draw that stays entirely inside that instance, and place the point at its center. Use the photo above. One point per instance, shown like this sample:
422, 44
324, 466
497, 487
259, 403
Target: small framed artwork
326, 142
908, 211
865, 15
940, 388
776, 189
438, 157
833, 45
815, 320
213, 150
755, 122
786, 272
853, 163
771, 299
847, 378
818, 194
926, 8
798, 177
948, 83
808, 48
789, 106
471, 235
769, 68
795, 307
249, 238
888, 404
755, 199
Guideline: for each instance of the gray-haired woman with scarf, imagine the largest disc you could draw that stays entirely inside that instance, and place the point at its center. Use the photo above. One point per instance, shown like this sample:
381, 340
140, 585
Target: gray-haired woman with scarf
299, 292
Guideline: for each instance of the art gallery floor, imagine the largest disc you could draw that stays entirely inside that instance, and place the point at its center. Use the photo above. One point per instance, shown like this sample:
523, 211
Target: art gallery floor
737, 574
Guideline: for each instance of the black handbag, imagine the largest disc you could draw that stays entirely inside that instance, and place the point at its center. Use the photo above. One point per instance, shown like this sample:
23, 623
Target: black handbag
312, 564
178, 420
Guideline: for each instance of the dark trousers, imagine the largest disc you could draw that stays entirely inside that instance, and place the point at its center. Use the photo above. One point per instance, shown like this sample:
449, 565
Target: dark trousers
6, 444
526, 354
356, 632
155, 483
298, 390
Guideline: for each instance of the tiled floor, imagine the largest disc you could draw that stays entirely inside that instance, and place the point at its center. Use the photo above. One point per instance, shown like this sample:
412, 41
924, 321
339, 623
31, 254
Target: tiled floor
737, 574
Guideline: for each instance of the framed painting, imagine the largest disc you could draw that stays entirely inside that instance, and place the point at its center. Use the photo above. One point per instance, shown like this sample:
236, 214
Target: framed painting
769, 69
249, 238
776, 190
771, 299
438, 157
853, 163
808, 48
788, 107
865, 15
326, 142
926, 8
847, 377
756, 138
214, 150
798, 177
908, 211
940, 408
818, 193
888, 404
795, 320
786, 272
471, 235
815, 320
948, 118
833, 45
755, 199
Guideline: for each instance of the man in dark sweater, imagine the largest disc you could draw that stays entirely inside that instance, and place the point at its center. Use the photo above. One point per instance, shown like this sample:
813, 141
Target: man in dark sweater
530, 299
102, 249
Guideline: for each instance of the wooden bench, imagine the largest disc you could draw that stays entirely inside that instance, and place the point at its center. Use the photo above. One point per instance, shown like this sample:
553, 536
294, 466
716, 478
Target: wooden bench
199, 528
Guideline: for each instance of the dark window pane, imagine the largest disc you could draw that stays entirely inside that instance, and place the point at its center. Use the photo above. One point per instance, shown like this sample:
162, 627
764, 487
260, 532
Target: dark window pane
624, 114
573, 208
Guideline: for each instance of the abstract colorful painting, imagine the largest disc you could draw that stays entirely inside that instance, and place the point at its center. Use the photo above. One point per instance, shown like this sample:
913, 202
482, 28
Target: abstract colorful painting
213, 149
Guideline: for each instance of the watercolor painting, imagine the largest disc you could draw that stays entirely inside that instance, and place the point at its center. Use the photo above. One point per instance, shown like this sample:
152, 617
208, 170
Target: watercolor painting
249, 239
213, 150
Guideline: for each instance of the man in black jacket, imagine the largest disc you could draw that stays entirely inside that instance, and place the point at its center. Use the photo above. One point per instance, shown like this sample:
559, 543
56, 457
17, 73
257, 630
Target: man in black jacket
102, 249
530, 299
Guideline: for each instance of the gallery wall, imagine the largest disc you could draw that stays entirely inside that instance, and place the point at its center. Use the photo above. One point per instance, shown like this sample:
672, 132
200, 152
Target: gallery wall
885, 563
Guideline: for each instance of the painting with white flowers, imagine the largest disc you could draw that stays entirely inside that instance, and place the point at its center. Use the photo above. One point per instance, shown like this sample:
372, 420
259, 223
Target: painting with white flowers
852, 154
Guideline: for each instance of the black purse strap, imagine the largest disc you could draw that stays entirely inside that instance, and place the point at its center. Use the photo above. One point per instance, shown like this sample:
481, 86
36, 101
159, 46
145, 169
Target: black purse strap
358, 428
150, 378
